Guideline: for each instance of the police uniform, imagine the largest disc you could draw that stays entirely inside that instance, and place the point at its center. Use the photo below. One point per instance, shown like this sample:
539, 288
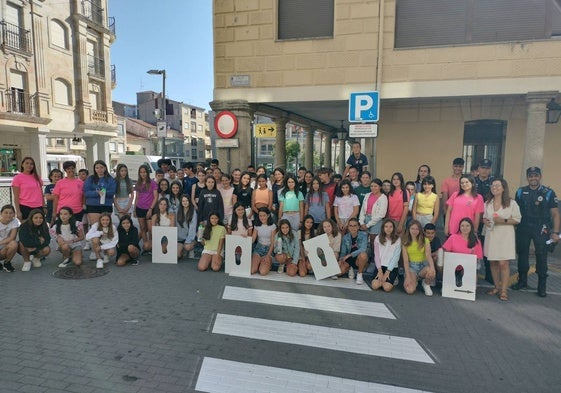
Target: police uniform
537, 225
483, 188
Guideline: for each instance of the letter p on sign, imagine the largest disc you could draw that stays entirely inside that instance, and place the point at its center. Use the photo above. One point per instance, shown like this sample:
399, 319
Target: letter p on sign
364, 107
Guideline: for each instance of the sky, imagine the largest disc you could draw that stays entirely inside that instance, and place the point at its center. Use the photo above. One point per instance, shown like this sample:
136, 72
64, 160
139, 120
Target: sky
175, 35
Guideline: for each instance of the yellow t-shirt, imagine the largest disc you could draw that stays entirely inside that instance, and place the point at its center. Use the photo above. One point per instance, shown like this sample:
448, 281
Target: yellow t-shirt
218, 232
415, 254
425, 204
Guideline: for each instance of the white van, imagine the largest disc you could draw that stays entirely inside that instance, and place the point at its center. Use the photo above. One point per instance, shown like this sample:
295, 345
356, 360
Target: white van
133, 162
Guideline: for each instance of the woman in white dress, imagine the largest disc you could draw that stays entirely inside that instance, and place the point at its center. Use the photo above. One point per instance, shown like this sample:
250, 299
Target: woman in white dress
500, 216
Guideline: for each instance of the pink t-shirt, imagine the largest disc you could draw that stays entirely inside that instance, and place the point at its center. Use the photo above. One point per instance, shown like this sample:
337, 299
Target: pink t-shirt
456, 243
450, 185
396, 205
145, 195
70, 193
371, 201
30, 190
463, 205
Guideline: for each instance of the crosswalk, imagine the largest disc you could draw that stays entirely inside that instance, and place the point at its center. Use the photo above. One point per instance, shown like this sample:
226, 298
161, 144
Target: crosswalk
239, 376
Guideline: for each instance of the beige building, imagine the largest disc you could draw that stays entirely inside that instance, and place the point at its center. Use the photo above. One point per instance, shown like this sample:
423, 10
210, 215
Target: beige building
188, 134
55, 80
472, 79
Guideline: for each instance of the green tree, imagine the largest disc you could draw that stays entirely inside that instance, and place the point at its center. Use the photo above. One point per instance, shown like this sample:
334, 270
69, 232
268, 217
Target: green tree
292, 151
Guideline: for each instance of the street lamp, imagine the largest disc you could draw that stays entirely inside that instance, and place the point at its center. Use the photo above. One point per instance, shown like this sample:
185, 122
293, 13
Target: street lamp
164, 109
553, 112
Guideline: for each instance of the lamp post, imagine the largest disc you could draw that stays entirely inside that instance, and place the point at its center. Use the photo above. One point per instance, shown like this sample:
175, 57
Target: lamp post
164, 109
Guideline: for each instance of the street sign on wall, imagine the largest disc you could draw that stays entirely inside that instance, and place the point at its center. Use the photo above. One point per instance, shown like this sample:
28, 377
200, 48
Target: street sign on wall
266, 130
226, 124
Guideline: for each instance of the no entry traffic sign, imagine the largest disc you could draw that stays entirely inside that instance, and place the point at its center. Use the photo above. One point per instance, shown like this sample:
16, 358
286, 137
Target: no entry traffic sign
226, 124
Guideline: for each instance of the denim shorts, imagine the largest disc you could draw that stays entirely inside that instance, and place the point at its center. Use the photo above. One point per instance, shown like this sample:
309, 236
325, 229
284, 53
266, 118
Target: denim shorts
374, 229
416, 267
260, 249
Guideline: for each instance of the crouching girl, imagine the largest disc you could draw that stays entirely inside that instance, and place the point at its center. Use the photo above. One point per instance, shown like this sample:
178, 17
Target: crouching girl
34, 240
104, 238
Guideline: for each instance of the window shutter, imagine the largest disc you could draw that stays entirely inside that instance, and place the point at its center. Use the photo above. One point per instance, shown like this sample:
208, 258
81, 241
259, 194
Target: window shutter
298, 19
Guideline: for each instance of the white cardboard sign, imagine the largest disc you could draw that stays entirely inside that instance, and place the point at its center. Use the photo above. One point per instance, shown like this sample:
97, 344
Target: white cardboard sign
244, 244
164, 251
469, 279
322, 243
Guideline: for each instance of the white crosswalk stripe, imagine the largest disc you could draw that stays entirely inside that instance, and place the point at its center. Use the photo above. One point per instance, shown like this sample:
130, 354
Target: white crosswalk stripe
321, 337
224, 376
313, 302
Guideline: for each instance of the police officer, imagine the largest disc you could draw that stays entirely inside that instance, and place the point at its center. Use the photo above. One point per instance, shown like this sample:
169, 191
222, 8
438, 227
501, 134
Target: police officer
483, 182
540, 223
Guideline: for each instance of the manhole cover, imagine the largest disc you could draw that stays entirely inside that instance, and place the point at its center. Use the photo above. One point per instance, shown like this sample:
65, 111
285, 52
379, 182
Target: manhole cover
80, 272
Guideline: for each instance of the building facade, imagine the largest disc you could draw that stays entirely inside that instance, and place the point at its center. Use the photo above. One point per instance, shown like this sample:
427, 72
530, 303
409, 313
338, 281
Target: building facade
468, 78
55, 80
188, 134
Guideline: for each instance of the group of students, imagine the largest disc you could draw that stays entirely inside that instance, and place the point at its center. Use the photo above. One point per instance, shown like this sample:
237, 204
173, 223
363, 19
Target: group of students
386, 225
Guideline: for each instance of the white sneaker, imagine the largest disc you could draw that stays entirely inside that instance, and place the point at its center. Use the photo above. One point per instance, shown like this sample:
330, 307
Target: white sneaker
359, 279
351, 273
281, 268
35, 261
93, 257
64, 263
191, 254
99, 264
426, 288
87, 247
335, 277
26, 266
106, 258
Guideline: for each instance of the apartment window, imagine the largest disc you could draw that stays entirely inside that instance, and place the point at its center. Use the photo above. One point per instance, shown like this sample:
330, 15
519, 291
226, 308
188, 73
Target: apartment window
193, 113
452, 22
484, 139
62, 92
60, 143
266, 149
309, 19
59, 34
112, 147
193, 126
194, 154
14, 34
200, 127
194, 142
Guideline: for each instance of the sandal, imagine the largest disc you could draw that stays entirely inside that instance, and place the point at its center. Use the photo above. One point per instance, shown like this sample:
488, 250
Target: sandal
503, 296
493, 292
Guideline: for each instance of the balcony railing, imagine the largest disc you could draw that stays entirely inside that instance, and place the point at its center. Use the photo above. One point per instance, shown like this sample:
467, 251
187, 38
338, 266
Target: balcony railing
100, 116
92, 10
113, 75
19, 102
96, 67
15, 37
111, 24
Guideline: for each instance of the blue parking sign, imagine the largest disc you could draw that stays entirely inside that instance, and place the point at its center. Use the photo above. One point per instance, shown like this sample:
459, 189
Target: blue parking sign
364, 107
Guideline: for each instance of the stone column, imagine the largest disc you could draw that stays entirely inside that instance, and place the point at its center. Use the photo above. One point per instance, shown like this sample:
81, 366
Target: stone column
327, 154
342, 155
309, 152
239, 157
97, 148
38, 150
535, 130
280, 145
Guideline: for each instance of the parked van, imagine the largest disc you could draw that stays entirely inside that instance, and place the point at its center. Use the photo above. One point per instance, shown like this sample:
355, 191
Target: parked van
133, 162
